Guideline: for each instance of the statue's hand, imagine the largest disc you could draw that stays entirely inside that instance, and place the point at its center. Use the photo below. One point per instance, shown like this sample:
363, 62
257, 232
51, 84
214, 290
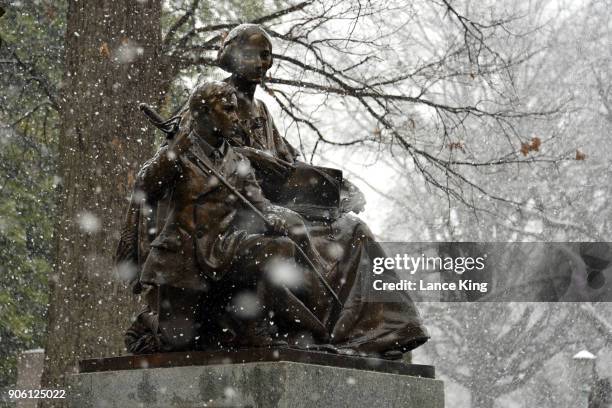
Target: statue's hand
276, 224
351, 198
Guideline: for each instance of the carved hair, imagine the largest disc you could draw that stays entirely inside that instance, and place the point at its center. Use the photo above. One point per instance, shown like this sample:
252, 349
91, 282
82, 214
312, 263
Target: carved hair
205, 93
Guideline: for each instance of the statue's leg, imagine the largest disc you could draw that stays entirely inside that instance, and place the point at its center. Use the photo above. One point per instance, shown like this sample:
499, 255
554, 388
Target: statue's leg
142, 337
179, 311
287, 291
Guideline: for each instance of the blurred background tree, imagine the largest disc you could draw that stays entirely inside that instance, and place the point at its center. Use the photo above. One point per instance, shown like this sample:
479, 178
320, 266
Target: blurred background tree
31, 42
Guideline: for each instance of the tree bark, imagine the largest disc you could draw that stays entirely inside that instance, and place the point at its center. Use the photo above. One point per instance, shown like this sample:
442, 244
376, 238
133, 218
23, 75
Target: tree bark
112, 62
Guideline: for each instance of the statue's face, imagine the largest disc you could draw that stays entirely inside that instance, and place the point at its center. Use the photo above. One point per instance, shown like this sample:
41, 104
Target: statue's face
217, 114
252, 58
223, 114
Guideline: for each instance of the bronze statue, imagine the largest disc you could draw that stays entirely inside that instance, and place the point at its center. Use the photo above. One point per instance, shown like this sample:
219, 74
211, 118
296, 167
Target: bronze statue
214, 248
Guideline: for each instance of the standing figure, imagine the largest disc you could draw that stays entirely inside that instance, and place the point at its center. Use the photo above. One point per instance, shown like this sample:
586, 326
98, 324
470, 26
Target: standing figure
388, 328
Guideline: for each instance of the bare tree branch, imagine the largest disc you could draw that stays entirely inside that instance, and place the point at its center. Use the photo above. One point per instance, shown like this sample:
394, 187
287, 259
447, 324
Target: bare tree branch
37, 76
179, 23
181, 43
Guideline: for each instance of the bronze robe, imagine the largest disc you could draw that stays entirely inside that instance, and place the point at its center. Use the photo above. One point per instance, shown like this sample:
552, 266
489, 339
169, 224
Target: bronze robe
346, 242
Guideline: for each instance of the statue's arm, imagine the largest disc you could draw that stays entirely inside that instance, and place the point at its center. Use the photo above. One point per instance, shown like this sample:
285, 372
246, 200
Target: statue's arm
158, 174
284, 148
151, 182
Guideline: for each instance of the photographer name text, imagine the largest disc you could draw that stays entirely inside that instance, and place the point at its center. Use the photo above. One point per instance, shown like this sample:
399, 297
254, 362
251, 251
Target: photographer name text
421, 285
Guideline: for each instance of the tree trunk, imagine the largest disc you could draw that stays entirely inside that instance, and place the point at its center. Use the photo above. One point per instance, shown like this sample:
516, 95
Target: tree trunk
112, 62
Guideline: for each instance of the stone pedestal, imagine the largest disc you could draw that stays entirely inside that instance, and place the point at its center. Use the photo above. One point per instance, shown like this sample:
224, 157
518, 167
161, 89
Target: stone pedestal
29, 371
269, 381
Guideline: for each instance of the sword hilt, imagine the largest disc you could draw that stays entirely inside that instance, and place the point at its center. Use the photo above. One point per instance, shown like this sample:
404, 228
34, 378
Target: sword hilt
168, 126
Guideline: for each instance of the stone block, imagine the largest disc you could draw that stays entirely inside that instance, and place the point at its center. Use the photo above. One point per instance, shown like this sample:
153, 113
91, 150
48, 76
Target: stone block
256, 384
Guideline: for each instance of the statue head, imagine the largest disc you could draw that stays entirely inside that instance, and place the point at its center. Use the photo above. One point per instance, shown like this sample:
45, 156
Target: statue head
213, 109
246, 52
